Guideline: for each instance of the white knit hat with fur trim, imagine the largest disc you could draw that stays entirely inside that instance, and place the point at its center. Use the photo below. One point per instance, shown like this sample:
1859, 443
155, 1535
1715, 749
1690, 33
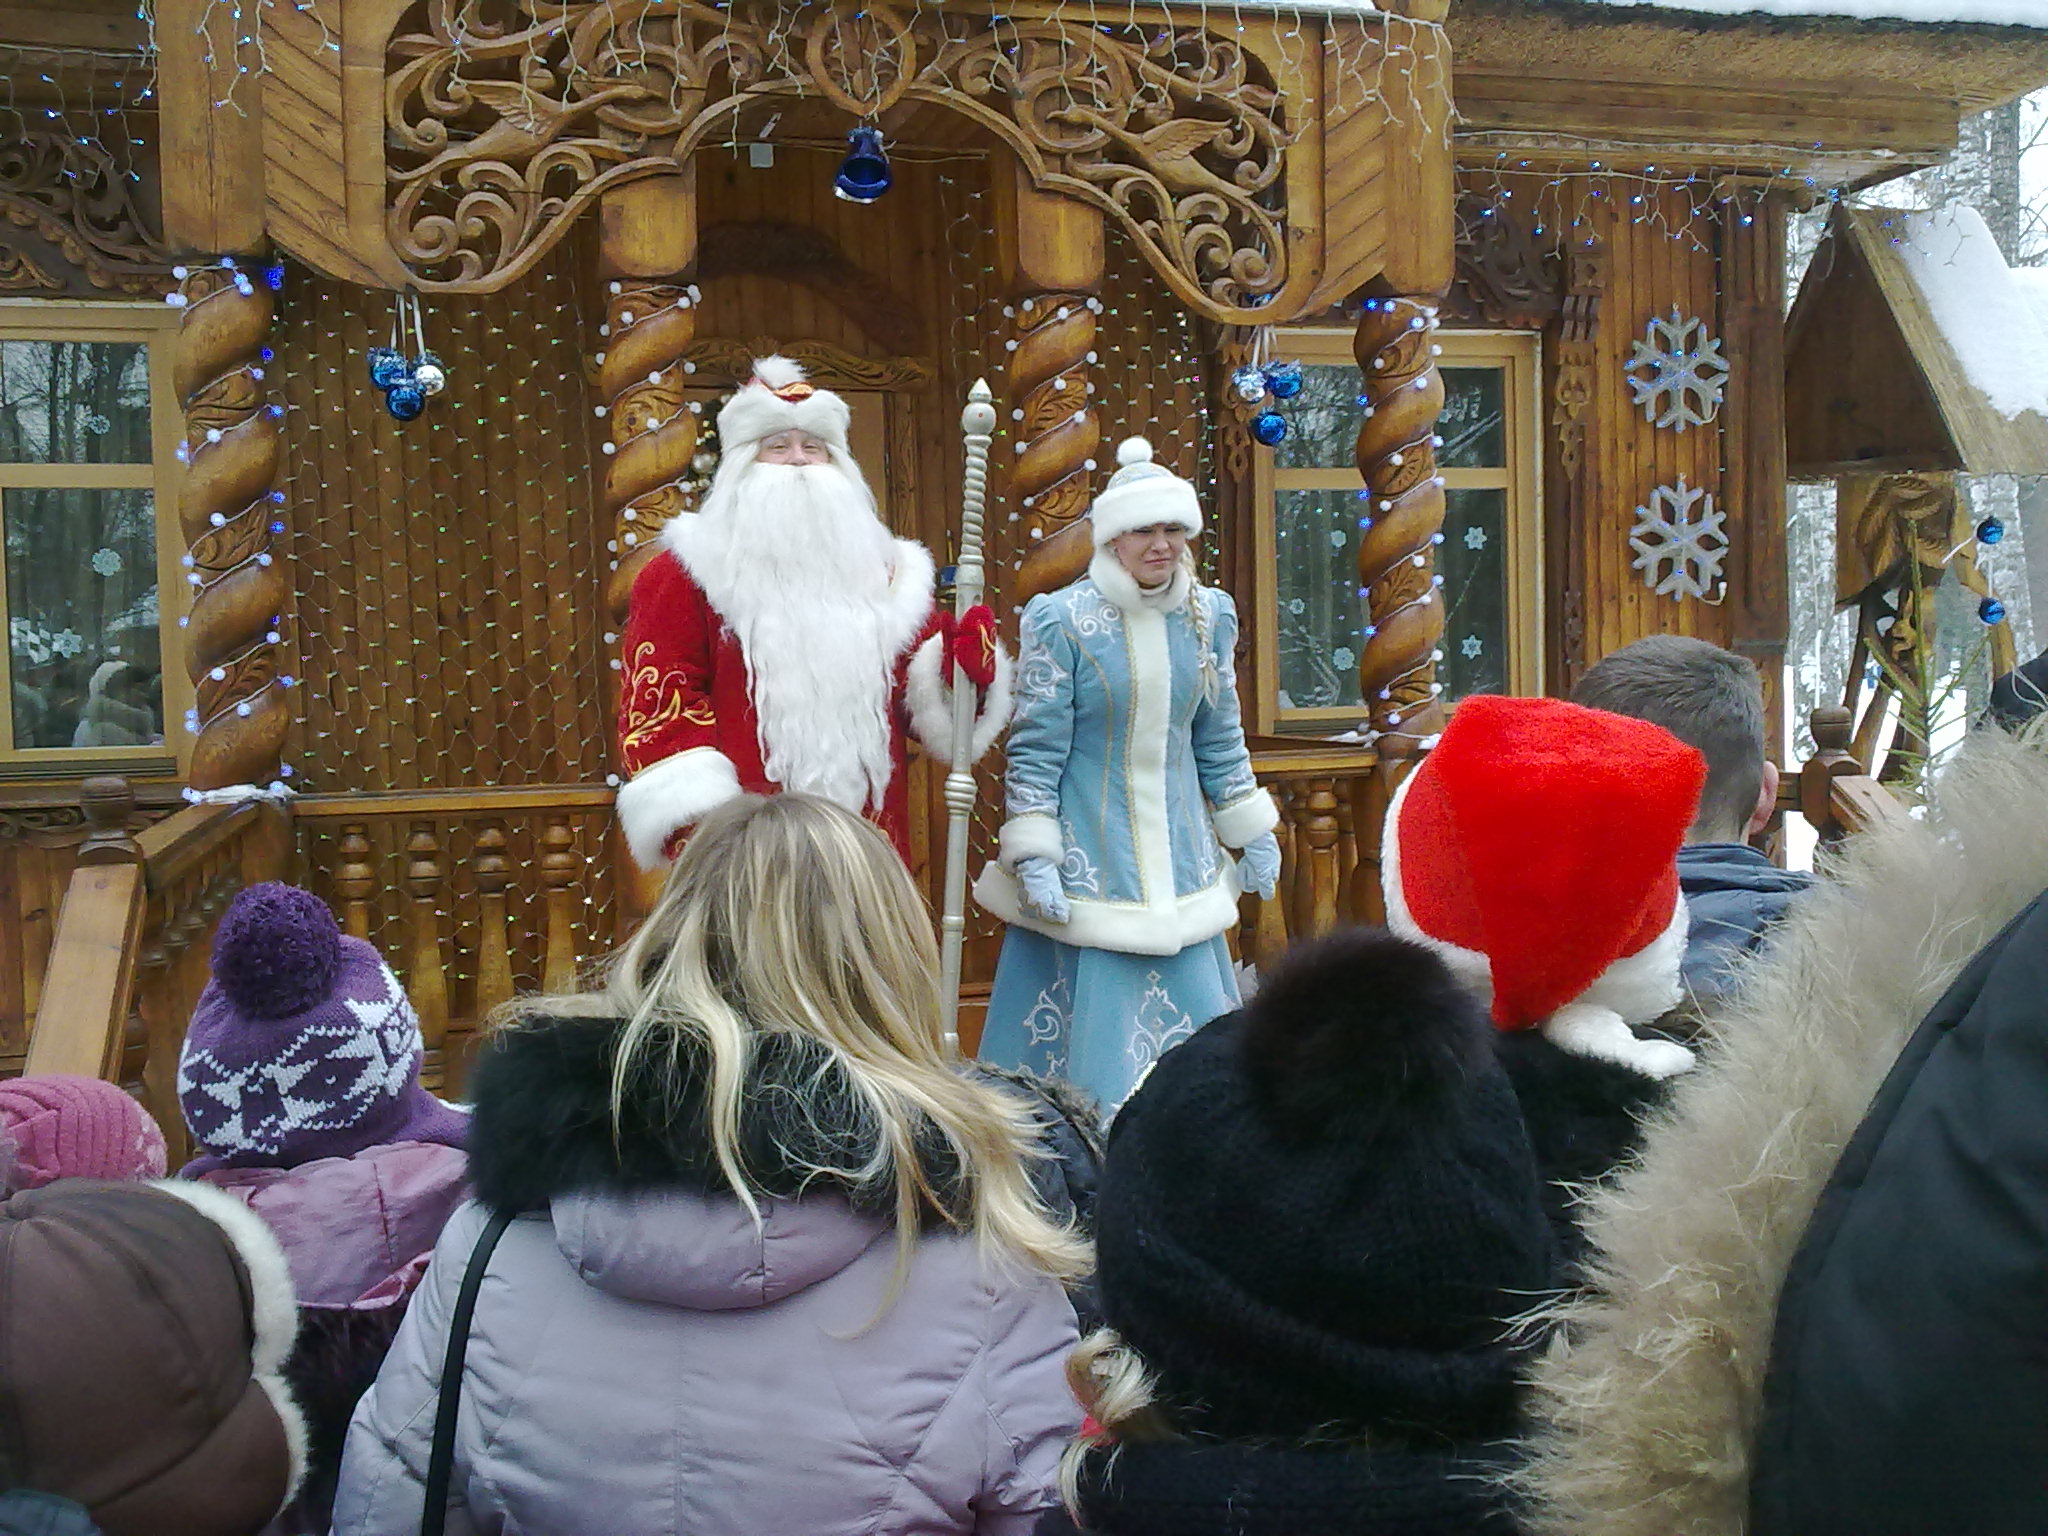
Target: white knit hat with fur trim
1142, 493
778, 398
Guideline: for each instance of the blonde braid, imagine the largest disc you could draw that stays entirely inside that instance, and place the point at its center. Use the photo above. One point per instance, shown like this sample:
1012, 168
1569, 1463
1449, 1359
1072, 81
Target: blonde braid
1198, 613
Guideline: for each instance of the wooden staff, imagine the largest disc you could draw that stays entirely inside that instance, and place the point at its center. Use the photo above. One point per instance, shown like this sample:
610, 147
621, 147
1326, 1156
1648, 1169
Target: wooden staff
977, 425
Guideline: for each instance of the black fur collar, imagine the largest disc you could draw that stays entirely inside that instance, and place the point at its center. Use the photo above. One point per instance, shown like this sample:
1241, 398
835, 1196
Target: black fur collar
543, 1123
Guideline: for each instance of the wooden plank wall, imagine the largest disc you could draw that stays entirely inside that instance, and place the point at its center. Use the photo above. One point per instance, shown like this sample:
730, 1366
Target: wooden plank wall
1660, 252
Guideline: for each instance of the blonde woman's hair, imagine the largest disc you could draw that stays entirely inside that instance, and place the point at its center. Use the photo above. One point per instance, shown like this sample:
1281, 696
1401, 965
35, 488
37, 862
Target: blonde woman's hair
1115, 1387
791, 917
1198, 614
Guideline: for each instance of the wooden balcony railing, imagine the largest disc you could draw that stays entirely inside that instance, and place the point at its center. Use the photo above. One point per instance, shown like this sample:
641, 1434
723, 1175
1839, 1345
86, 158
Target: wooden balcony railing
472, 895
133, 939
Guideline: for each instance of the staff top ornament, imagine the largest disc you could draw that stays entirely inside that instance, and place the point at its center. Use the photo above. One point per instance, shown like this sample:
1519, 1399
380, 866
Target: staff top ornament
1684, 372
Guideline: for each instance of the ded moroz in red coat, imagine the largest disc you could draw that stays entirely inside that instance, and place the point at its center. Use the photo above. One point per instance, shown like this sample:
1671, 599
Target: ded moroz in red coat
690, 736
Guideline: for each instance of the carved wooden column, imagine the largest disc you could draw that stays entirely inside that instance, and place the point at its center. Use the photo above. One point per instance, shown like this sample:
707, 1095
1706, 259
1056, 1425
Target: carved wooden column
1573, 471
647, 244
647, 249
492, 871
561, 872
1751, 234
1050, 254
1396, 348
230, 514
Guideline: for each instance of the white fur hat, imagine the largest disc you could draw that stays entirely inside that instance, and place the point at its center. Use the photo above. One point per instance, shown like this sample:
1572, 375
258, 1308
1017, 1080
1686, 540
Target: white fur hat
1142, 493
778, 398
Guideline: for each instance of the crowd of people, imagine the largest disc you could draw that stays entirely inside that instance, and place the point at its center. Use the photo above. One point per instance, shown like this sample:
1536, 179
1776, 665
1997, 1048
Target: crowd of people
1621, 1183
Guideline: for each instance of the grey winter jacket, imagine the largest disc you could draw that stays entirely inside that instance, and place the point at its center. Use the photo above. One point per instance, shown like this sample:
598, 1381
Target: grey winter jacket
647, 1361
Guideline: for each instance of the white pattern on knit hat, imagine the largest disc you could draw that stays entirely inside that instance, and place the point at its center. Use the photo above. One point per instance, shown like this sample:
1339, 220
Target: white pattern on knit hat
355, 1065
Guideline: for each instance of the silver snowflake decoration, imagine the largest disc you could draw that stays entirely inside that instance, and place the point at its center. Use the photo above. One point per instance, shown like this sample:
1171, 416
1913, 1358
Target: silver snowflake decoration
1475, 537
1683, 375
1683, 529
1472, 646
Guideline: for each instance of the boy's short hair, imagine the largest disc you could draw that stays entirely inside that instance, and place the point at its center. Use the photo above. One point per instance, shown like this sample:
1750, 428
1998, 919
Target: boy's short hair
1707, 697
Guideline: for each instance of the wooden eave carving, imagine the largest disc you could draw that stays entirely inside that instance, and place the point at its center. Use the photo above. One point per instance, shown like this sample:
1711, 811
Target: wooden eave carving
1873, 386
1265, 173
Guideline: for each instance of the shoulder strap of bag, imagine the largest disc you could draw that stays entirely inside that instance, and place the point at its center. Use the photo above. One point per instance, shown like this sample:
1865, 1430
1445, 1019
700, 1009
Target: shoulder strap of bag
441, 1459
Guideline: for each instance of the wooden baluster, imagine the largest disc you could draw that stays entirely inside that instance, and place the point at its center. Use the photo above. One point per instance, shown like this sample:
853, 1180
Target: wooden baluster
492, 872
426, 976
1831, 760
159, 1019
1319, 830
1347, 849
560, 870
1300, 884
1368, 816
356, 880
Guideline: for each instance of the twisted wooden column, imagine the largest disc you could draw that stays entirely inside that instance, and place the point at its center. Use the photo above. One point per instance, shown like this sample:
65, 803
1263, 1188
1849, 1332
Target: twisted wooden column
647, 243
1050, 255
1396, 348
230, 513
652, 434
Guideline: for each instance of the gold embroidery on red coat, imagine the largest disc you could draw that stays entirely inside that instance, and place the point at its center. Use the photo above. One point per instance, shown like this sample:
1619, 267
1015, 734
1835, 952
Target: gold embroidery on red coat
657, 699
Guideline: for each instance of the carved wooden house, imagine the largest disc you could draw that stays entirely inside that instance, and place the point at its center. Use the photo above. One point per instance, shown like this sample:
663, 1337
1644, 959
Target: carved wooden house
1530, 256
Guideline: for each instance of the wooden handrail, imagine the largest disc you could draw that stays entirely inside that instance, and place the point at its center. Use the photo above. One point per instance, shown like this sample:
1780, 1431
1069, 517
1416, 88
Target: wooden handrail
455, 802
126, 963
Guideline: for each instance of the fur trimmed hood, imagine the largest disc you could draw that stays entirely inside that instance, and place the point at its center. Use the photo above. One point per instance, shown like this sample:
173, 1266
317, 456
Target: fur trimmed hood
1651, 1392
543, 1124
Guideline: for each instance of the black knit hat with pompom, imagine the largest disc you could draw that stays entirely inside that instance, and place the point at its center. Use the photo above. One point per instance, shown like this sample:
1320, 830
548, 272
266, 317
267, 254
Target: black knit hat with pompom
1318, 1213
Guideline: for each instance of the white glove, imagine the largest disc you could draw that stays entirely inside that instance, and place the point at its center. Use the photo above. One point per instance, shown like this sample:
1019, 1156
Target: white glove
1043, 896
1259, 871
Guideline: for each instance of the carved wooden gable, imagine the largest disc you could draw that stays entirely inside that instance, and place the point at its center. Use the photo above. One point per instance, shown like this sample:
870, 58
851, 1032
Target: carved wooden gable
497, 124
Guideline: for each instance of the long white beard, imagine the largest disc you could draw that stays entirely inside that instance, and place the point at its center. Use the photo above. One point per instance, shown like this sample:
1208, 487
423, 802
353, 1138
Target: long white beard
795, 560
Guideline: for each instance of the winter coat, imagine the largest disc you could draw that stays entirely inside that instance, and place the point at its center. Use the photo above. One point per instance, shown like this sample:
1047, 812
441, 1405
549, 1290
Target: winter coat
357, 1233
1197, 1488
1735, 896
1820, 1294
646, 1358
1121, 772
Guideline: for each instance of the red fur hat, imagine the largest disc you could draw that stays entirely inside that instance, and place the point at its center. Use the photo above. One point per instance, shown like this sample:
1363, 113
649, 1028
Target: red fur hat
1536, 848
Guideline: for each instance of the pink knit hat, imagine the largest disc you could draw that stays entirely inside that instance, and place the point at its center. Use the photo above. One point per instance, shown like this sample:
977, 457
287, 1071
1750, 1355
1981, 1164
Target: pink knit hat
66, 1127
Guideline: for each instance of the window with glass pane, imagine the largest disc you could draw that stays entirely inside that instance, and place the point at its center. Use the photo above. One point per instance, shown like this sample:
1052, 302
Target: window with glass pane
78, 526
1319, 612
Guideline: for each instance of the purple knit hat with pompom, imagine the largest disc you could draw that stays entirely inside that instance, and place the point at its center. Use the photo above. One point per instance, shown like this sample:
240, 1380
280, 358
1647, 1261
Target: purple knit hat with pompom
303, 1045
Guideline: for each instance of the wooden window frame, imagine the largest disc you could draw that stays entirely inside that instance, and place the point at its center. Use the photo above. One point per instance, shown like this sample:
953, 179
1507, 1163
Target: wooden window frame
154, 326
1519, 355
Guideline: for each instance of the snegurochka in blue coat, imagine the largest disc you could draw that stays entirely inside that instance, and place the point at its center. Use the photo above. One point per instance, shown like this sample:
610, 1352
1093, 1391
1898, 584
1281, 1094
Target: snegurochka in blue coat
1128, 780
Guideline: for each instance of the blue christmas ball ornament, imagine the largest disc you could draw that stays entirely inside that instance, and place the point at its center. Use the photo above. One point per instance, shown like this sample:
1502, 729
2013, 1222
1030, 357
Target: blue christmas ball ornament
1991, 611
387, 366
405, 400
1250, 384
1284, 380
1269, 427
1990, 531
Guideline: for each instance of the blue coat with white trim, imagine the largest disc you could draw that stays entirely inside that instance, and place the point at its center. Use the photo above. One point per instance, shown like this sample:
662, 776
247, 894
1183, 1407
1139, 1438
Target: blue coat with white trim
1121, 771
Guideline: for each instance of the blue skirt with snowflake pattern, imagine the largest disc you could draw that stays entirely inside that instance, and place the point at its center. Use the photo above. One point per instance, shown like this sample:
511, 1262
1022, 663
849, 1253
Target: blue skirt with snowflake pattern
1096, 1017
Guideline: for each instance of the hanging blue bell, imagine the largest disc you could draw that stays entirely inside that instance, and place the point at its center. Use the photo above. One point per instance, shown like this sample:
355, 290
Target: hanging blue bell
1270, 428
1284, 380
1991, 611
405, 399
1250, 384
864, 174
1990, 531
387, 366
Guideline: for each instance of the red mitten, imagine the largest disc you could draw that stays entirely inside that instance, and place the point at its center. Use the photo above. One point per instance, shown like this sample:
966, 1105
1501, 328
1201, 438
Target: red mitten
973, 645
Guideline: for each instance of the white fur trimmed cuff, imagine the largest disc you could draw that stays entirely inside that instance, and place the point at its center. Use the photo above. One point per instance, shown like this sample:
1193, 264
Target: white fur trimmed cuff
1033, 835
930, 701
1242, 820
671, 794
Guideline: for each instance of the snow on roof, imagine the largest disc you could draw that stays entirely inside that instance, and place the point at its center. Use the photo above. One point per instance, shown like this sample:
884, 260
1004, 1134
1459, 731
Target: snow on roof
1996, 13
1987, 317
2033, 283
